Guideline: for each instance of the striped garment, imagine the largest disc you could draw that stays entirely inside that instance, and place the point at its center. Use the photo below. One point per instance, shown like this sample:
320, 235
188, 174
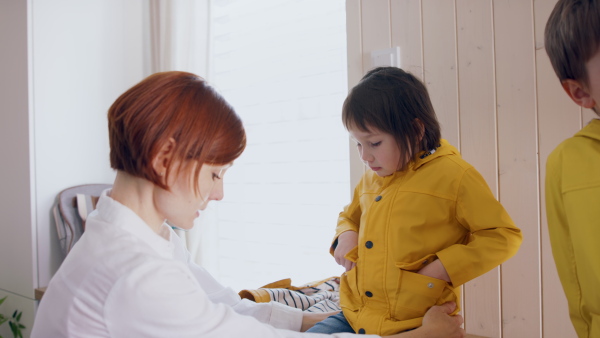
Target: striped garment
320, 296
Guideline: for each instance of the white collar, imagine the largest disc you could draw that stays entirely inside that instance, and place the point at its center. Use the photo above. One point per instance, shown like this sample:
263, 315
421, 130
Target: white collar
120, 216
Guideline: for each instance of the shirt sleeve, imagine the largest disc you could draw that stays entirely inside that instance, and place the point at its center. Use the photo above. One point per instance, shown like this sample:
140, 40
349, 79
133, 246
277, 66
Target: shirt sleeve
165, 300
274, 314
349, 218
494, 237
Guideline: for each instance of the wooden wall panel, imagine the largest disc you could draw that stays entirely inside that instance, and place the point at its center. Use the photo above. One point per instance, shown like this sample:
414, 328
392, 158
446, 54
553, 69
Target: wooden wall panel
440, 69
559, 118
406, 33
518, 163
355, 73
376, 28
586, 116
478, 135
440, 65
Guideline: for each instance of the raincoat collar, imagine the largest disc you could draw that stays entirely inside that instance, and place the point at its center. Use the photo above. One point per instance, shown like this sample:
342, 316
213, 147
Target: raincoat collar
592, 130
423, 157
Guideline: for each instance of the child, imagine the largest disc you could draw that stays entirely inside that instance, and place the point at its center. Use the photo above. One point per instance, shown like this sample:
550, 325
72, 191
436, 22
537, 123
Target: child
572, 40
422, 221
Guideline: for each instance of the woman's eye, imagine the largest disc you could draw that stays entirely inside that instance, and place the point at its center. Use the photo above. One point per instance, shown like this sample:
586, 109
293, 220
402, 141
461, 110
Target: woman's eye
216, 177
375, 144
358, 144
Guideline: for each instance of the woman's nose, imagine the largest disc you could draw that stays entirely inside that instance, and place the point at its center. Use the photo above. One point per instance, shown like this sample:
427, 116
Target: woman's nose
216, 194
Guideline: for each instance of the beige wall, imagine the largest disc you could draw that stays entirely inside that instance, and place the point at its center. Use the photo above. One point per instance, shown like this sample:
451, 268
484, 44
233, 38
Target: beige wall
499, 101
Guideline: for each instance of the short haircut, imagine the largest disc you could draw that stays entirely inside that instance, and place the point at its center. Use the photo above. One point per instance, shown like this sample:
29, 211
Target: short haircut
176, 105
572, 37
390, 100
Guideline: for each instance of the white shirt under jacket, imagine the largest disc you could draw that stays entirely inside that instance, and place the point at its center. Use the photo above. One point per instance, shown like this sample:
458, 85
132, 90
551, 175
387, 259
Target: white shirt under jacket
123, 280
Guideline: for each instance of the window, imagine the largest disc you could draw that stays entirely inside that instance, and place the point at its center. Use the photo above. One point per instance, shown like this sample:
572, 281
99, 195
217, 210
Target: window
282, 65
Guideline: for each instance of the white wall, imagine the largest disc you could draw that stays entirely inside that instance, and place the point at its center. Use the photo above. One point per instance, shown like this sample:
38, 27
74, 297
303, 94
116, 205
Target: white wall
17, 230
63, 63
85, 54
282, 66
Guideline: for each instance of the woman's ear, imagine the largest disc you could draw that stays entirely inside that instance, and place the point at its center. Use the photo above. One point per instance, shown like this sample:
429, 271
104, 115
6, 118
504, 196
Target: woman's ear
162, 159
578, 93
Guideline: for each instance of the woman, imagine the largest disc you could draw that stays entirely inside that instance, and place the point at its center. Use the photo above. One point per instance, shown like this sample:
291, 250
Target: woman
172, 138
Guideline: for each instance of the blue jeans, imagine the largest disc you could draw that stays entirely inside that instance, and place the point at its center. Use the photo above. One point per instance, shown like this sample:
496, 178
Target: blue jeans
333, 324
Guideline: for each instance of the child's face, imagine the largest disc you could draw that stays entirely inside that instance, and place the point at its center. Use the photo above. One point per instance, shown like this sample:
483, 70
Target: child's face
377, 149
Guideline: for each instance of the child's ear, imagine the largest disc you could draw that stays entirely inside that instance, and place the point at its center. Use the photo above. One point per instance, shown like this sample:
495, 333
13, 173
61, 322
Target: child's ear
421, 127
578, 93
162, 159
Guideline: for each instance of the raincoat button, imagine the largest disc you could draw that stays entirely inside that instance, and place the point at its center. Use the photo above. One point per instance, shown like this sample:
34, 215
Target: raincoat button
430, 285
361, 331
369, 244
378, 198
369, 294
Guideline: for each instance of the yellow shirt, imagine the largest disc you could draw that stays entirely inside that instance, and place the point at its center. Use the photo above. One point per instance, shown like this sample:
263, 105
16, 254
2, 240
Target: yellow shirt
439, 208
573, 210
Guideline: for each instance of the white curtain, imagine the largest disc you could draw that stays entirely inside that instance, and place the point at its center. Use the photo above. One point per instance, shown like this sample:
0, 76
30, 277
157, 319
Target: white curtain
179, 35
179, 40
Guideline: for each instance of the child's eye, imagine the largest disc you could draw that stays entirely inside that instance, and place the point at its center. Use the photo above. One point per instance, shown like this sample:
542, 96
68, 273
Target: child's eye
375, 144
216, 177
358, 144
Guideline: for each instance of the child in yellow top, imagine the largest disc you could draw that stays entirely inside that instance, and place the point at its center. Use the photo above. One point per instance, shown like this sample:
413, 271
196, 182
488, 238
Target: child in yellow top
422, 220
572, 40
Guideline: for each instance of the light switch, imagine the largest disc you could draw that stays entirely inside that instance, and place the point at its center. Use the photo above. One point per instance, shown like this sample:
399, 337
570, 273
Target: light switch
386, 57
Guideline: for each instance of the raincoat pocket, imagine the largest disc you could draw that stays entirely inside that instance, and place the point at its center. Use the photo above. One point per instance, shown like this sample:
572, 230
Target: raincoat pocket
416, 293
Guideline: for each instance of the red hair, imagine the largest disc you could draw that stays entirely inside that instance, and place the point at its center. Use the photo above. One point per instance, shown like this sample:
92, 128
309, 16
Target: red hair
176, 105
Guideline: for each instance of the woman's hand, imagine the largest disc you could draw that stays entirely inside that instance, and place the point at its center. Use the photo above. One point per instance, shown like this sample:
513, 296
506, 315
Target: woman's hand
309, 319
346, 241
438, 323
437, 270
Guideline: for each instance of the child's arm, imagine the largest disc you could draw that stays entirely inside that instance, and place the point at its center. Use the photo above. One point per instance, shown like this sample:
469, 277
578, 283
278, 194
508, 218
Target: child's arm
437, 270
346, 241
494, 238
572, 198
346, 232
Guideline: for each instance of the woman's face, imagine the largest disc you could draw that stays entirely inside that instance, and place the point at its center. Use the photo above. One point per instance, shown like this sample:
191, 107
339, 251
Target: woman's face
183, 204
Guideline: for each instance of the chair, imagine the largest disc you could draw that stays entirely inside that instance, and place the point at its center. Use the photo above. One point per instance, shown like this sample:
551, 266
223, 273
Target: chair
70, 210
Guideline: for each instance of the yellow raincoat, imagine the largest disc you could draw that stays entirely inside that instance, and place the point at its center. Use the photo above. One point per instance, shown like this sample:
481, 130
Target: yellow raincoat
573, 209
439, 208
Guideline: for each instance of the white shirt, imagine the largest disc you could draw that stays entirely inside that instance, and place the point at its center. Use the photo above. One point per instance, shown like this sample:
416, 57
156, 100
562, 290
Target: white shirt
123, 280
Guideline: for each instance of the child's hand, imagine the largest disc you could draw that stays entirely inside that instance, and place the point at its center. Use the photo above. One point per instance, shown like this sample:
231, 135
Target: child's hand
346, 241
436, 270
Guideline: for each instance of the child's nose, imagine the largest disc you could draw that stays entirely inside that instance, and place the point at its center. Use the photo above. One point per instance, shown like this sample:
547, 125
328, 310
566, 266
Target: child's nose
365, 155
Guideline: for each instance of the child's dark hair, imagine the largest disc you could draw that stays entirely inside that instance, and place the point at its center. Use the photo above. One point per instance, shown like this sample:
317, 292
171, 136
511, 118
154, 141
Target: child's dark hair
395, 102
572, 37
